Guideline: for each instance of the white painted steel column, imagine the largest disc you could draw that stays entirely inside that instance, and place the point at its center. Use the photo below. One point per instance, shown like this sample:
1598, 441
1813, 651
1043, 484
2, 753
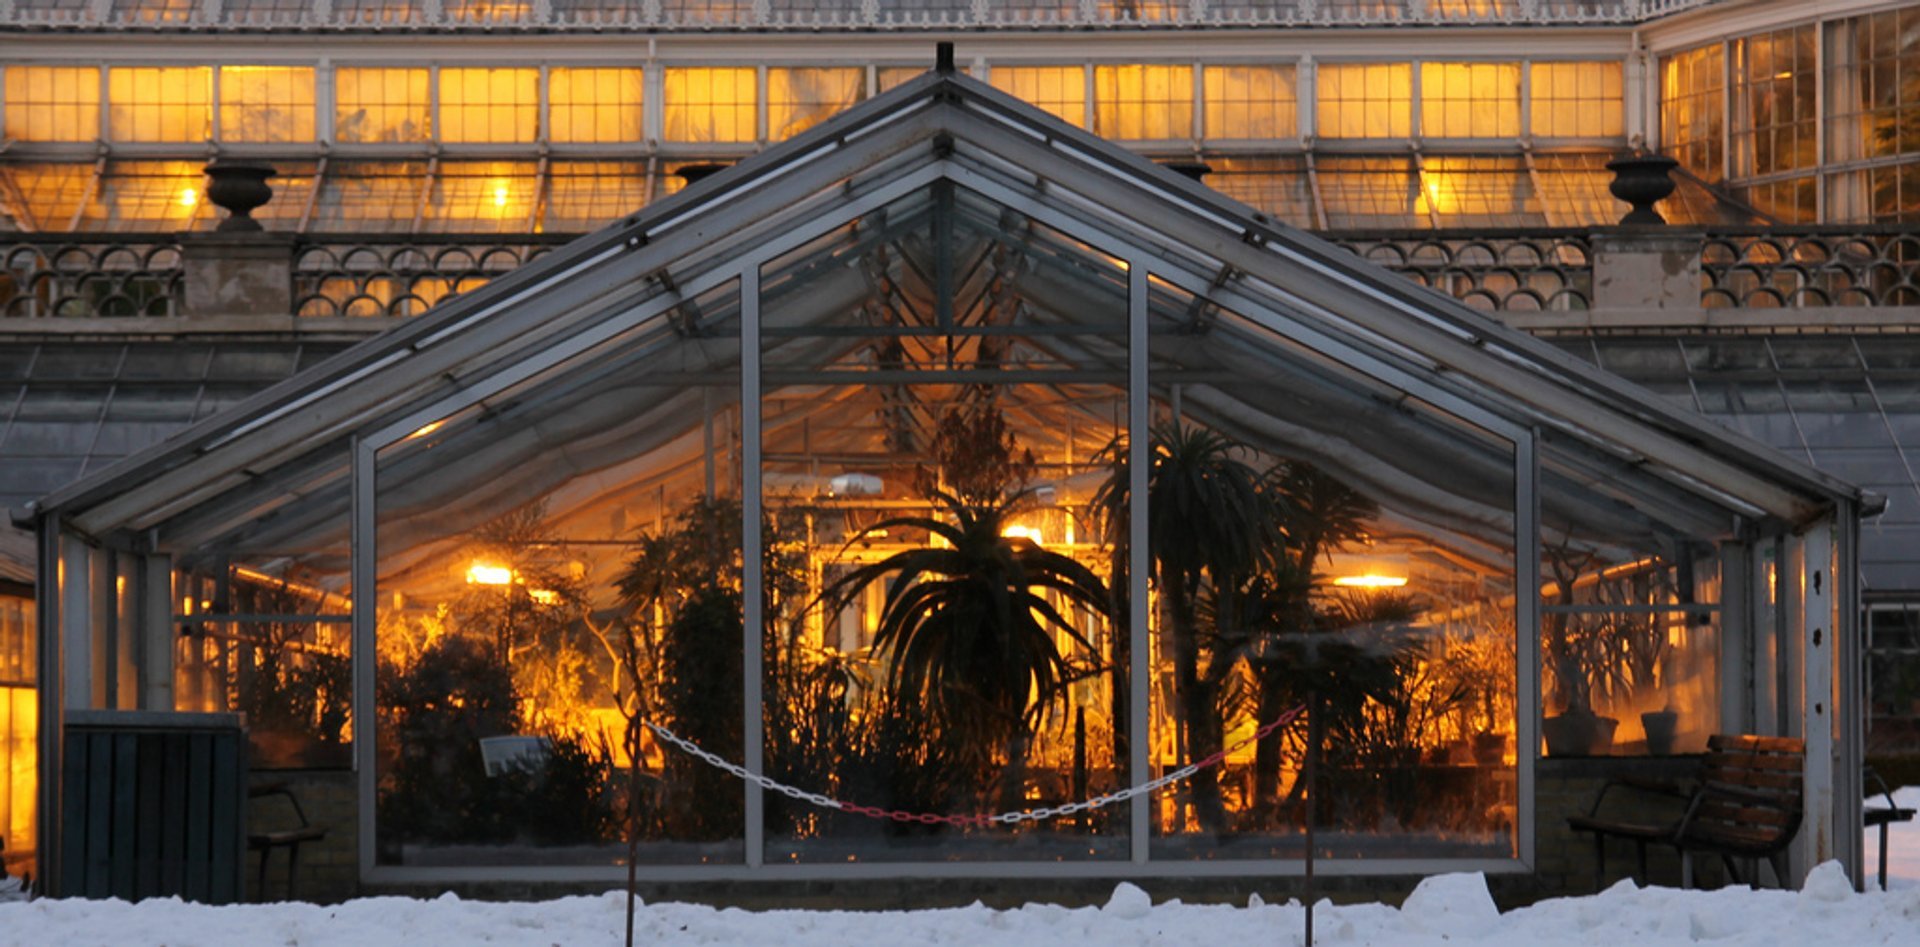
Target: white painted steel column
153, 590
751, 564
1737, 638
1816, 843
362, 655
1139, 686
76, 624
1526, 576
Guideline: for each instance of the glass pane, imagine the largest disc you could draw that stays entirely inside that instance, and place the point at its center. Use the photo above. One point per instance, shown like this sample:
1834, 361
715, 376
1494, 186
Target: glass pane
381, 105
943, 620
1061, 90
584, 195
148, 196
266, 103
595, 105
711, 105
53, 103
159, 103
489, 105
1693, 109
483, 197
379, 196
1577, 100
798, 99
1143, 102
1250, 102
555, 567
1371, 100
1469, 100
1317, 551
1629, 649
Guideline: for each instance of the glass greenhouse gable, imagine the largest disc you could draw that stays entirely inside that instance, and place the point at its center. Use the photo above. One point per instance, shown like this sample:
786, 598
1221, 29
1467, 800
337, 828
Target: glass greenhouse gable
948, 460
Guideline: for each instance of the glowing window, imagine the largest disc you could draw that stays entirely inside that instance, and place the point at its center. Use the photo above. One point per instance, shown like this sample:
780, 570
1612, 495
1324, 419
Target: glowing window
1250, 102
53, 103
1061, 90
50, 194
887, 77
266, 103
1573, 190
583, 195
1469, 100
489, 105
170, 103
1693, 107
715, 105
1773, 104
798, 99
1480, 191
482, 196
1373, 100
595, 105
1143, 101
1577, 100
1365, 193
148, 196
378, 196
1873, 85
1790, 201
1276, 185
381, 105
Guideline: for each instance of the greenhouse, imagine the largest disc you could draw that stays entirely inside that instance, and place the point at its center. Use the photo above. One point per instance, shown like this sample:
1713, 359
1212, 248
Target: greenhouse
948, 461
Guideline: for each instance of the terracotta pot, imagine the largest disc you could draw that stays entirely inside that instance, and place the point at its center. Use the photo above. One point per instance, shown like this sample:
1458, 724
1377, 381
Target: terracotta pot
1579, 734
1489, 749
1661, 727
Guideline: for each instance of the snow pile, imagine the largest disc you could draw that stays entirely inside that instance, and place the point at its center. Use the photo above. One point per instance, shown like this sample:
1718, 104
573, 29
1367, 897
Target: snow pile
1446, 909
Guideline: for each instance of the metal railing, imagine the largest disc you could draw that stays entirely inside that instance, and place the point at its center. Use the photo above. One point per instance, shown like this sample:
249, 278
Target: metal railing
340, 275
1506, 271
130, 275
597, 15
1804, 267
1494, 270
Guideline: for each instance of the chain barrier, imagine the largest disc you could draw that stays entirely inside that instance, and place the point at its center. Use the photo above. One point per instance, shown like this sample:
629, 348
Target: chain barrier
979, 821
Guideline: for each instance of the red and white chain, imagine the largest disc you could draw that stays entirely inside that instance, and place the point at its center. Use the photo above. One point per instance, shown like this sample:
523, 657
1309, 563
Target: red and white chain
1003, 818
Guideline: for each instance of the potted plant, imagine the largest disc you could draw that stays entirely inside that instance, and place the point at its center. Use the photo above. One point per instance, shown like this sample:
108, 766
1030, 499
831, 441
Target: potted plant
1576, 658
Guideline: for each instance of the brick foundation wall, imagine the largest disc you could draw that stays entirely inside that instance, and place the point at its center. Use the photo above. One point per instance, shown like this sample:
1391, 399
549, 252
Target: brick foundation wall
1564, 861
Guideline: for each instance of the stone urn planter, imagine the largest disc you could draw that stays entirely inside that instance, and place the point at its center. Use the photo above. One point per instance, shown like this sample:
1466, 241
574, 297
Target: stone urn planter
238, 187
1642, 181
1579, 733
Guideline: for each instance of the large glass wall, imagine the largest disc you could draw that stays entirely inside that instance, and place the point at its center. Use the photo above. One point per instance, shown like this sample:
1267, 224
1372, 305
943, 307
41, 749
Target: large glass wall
945, 623
19, 734
555, 565
1314, 550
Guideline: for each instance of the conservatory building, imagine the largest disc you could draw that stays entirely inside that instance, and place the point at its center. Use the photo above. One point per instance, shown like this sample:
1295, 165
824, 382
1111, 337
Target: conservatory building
865, 507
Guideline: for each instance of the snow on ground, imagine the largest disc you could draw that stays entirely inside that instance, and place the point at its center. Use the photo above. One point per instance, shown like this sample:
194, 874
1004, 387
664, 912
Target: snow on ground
1445, 909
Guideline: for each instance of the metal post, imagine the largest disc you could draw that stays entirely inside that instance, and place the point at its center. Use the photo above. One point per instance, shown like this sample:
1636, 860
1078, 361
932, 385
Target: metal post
751, 564
1139, 686
1311, 796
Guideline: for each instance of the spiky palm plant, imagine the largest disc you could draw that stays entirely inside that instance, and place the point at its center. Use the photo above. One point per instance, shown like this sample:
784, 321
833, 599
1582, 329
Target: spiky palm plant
1209, 521
969, 627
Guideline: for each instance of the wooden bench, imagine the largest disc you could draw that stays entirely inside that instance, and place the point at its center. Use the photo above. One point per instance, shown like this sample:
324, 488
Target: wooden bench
1745, 803
1883, 817
289, 838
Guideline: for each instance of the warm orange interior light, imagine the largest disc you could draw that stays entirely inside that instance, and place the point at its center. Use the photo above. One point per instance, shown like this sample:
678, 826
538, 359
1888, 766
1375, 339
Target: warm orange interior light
544, 596
1022, 532
481, 573
426, 429
1371, 581
189, 197
500, 195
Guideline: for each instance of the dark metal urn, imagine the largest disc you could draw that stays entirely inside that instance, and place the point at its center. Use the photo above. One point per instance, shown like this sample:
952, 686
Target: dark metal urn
238, 187
1642, 180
